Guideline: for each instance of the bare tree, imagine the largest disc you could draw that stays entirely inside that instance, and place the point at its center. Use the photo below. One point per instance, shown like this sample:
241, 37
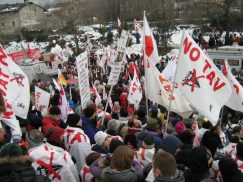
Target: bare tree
225, 6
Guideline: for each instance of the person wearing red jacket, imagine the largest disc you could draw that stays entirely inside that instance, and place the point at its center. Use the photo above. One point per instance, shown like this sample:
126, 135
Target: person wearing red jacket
123, 99
51, 126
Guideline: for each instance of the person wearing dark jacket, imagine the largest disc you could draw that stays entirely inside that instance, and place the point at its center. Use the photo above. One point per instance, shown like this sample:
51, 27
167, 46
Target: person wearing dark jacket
211, 139
229, 170
201, 161
14, 166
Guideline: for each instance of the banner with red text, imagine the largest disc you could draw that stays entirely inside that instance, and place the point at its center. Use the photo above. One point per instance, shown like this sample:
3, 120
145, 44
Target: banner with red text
200, 81
42, 99
159, 90
14, 85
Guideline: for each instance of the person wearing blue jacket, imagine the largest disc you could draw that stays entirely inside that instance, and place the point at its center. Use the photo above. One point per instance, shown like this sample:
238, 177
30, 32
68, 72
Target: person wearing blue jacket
89, 123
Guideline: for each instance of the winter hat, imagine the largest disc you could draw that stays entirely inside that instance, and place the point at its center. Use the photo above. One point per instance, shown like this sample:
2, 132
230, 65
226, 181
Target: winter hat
114, 144
229, 170
153, 124
10, 150
54, 110
148, 142
239, 150
34, 137
199, 159
174, 121
180, 127
100, 137
113, 125
88, 112
72, 120
170, 144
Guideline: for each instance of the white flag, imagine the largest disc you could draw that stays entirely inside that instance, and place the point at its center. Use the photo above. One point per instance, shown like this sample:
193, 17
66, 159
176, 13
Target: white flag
135, 91
14, 85
236, 100
170, 69
63, 104
42, 99
118, 22
83, 77
159, 90
200, 81
98, 98
149, 43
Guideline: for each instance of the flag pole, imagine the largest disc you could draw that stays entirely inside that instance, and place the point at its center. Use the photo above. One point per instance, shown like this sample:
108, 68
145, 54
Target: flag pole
145, 84
169, 109
106, 105
172, 92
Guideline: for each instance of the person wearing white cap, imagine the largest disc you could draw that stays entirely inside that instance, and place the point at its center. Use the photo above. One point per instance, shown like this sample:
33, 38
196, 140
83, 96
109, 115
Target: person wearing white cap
102, 140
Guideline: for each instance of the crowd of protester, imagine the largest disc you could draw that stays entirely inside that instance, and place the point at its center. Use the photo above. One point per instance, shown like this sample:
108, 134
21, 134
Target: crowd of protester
121, 143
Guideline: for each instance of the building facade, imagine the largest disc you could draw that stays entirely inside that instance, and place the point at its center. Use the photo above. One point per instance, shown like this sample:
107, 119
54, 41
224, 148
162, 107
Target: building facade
15, 17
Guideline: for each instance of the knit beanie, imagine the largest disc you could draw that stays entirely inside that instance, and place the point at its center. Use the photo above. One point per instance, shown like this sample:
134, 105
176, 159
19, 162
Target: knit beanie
148, 142
229, 170
34, 137
10, 150
100, 137
54, 110
180, 127
73, 119
170, 144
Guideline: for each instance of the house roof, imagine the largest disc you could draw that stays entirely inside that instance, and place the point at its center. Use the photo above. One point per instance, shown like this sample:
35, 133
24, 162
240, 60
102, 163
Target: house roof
7, 8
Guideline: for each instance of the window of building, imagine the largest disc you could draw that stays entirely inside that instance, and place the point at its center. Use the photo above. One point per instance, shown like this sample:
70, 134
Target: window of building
35, 9
13, 24
3, 24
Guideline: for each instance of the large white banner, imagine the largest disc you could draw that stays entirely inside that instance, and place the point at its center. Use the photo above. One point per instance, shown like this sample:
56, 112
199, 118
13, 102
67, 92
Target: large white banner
115, 73
83, 77
200, 81
14, 85
117, 60
42, 99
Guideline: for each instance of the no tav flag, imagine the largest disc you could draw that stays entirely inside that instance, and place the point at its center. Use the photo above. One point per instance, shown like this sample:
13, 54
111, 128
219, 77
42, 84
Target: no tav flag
200, 81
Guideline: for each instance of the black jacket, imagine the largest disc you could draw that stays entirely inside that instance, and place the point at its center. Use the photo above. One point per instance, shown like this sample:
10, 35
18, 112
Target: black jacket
19, 169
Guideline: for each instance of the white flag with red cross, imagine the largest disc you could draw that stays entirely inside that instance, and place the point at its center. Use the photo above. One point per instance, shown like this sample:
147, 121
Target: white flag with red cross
14, 85
135, 91
159, 90
236, 100
149, 43
42, 99
200, 81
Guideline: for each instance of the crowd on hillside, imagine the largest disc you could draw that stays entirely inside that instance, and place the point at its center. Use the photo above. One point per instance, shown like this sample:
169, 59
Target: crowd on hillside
216, 39
121, 143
